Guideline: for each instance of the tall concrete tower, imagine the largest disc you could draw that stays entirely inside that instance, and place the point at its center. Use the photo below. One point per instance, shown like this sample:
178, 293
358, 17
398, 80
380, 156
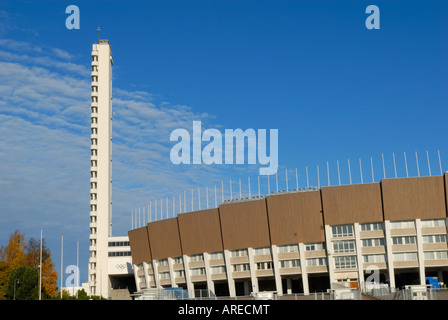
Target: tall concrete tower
100, 168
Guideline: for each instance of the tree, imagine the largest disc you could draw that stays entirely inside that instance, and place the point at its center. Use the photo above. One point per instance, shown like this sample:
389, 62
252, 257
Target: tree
23, 283
15, 250
5, 269
19, 253
49, 274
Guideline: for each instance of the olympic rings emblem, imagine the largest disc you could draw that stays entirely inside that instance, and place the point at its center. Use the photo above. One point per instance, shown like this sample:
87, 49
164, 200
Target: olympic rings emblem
120, 266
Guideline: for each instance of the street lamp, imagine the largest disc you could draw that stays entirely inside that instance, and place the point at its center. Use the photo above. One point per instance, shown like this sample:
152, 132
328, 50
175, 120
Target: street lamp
15, 281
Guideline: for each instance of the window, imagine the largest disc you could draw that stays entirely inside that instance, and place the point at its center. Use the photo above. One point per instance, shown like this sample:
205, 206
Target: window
342, 230
344, 246
375, 258
118, 243
374, 242
345, 262
403, 240
316, 262
179, 273
163, 262
216, 255
197, 271
120, 254
437, 238
433, 223
262, 251
177, 260
405, 256
239, 253
164, 275
197, 257
436, 255
264, 265
288, 248
218, 269
240, 267
290, 263
314, 246
402, 225
371, 226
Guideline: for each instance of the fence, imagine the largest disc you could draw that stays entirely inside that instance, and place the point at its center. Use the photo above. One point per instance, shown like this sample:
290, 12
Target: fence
174, 294
417, 292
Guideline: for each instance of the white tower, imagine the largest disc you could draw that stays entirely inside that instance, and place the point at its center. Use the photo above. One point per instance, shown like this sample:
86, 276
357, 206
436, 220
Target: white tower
100, 168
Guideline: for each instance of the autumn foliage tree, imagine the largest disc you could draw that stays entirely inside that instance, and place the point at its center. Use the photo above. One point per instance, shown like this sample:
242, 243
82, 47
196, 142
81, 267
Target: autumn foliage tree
19, 253
15, 250
32, 259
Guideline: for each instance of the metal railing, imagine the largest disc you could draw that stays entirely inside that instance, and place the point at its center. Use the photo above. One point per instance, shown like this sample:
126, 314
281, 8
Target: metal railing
174, 294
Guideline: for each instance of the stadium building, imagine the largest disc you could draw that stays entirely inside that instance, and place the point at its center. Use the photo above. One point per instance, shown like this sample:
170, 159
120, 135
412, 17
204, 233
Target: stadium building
301, 241
296, 241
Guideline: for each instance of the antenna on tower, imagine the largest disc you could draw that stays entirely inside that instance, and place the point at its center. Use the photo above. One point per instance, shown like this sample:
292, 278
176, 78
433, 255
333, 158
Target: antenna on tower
98, 29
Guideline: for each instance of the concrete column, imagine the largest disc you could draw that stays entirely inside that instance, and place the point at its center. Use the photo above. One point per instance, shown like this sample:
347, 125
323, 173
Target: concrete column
329, 245
440, 275
253, 268
357, 229
306, 287
390, 257
156, 273
420, 254
210, 284
230, 280
145, 269
172, 275
276, 266
288, 286
190, 287
137, 281
246, 287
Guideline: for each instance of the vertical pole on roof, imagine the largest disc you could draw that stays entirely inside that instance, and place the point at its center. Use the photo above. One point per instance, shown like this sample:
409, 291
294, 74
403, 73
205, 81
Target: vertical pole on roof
395, 167
349, 171
416, 159
406, 165
297, 181
360, 170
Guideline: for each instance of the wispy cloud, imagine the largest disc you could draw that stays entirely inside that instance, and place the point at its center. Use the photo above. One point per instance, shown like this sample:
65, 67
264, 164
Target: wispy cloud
45, 136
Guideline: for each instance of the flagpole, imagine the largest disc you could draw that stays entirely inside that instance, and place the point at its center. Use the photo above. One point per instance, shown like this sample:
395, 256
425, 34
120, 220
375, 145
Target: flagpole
62, 257
40, 268
77, 268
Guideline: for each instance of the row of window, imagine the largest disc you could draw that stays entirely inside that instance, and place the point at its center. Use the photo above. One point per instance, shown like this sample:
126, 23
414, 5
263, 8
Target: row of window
120, 254
347, 230
343, 262
118, 243
342, 246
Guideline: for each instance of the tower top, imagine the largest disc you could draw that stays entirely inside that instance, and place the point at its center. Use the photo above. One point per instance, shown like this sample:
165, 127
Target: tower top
98, 29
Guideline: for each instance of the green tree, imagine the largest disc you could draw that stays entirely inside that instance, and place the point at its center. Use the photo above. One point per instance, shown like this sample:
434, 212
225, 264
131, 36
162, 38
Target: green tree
23, 284
4, 277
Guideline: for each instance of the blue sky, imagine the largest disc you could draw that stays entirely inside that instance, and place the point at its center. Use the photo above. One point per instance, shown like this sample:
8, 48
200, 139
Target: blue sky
335, 90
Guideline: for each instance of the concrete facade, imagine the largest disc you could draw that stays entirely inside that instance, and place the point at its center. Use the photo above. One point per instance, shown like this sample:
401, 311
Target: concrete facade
301, 241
